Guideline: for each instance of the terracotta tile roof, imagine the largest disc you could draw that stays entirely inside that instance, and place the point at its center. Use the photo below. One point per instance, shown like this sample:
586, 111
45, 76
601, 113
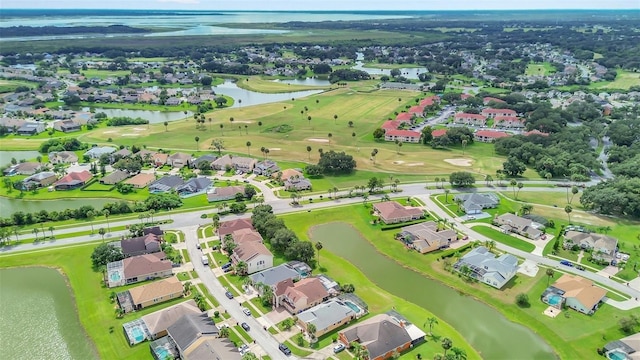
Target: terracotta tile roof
228, 227
141, 180
246, 235
491, 134
390, 210
74, 177
404, 116
580, 288
155, 290
248, 250
404, 133
439, 132
310, 288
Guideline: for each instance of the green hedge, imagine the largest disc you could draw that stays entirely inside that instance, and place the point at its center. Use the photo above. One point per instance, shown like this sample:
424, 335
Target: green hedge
401, 225
449, 253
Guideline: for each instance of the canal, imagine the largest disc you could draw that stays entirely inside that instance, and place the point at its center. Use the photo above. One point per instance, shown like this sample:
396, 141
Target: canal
486, 329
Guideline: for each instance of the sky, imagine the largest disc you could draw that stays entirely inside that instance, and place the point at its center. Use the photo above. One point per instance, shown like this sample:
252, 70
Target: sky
321, 5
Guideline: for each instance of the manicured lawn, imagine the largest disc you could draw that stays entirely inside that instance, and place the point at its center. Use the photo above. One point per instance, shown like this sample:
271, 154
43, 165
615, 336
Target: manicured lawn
542, 69
504, 238
258, 304
95, 311
205, 292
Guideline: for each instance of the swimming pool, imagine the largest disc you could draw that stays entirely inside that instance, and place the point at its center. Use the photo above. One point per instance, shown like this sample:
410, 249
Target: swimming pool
617, 355
162, 353
138, 334
354, 307
554, 299
115, 276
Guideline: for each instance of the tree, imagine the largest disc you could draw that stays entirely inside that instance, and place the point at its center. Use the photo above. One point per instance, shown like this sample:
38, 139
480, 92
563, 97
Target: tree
513, 167
461, 179
464, 145
526, 209
166, 124
106, 216
374, 152
431, 321
35, 231
459, 353
51, 228
335, 117
309, 152
520, 186
513, 184
378, 134
446, 195
446, 344
374, 184
104, 254
197, 139
574, 191
301, 251
249, 148
568, 209
335, 163
311, 330
550, 272
318, 246
350, 123
628, 325
102, 231
329, 135
522, 300
241, 268
221, 129
224, 332
488, 179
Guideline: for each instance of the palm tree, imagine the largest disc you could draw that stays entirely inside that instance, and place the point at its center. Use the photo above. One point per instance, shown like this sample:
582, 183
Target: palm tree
249, 148
329, 135
210, 120
318, 247
106, 216
197, 139
446, 195
241, 268
488, 179
35, 231
431, 321
526, 209
224, 332
101, 231
335, 117
309, 119
267, 294
90, 215
550, 274
520, 186
309, 152
221, 128
513, 184
51, 228
464, 145
574, 191
568, 209
459, 353
166, 124
151, 213
311, 330
350, 123
446, 345
548, 176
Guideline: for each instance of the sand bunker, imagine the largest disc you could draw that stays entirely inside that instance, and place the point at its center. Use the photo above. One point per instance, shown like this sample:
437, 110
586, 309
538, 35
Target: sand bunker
242, 122
319, 140
459, 162
110, 132
415, 164
274, 149
139, 129
130, 135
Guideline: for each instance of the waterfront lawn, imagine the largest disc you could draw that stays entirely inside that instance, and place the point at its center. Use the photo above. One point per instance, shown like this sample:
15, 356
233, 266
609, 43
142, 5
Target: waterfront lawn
96, 312
268, 85
504, 238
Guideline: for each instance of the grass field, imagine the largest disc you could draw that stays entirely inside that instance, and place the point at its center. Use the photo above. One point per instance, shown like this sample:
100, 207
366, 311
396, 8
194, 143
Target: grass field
7, 86
504, 238
624, 81
266, 85
541, 69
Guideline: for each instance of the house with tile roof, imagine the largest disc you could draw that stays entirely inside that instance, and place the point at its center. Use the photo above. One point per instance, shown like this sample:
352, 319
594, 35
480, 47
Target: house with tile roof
470, 119
73, 180
246, 235
138, 268
141, 180
484, 266
229, 227
426, 237
493, 113
39, 180
224, 193
602, 247
254, 254
179, 160
63, 157
298, 296
146, 295
574, 292
391, 212
405, 136
157, 322
510, 122
489, 136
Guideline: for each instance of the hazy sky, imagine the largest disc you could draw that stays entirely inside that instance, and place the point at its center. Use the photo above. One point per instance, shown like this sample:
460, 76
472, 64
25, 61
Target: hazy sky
323, 4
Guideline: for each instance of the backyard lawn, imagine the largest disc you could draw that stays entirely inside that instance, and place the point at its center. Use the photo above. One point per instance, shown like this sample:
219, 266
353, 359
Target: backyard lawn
504, 238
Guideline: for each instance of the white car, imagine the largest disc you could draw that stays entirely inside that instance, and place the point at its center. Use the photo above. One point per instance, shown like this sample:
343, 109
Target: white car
338, 348
246, 311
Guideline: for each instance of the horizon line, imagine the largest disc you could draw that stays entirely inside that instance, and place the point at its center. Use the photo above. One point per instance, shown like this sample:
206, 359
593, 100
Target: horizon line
317, 10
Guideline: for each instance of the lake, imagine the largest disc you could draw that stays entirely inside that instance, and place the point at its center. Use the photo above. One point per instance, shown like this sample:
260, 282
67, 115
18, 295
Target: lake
486, 329
305, 82
9, 206
6, 156
244, 97
154, 116
409, 73
38, 318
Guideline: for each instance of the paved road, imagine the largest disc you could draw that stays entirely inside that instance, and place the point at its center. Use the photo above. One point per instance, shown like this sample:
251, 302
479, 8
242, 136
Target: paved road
261, 336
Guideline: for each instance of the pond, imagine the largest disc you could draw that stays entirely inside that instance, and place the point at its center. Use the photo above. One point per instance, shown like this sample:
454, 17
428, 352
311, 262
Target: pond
6, 156
38, 317
487, 330
305, 82
244, 97
154, 116
409, 73
9, 206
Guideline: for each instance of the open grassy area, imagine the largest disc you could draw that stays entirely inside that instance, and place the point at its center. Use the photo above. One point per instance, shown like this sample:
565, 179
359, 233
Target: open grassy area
7, 86
504, 238
541, 69
624, 81
268, 85
95, 311
567, 345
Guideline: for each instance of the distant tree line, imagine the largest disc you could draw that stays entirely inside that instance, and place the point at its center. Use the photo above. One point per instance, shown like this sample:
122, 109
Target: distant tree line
70, 30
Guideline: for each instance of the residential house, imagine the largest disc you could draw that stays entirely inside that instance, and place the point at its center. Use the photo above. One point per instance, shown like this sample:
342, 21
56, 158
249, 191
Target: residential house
602, 247
426, 237
197, 338
574, 292
438, 132
204, 159
474, 203
31, 128
512, 122
141, 180
629, 346
246, 235
147, 244
487, 100
63, 157
224, 193
67, 126
430, 101
391, 212
115, 177
39, 180
165, 184
23, 168
120, 154
97, 151
222, 163
160, 159
393, 124
266, 168
493, 113
489, 136
383, 335
286, 174
297, 184
482, 265
194, 186
244, 164
157, 322
73, 180
254, 254
229, 227
470, 119
298, 296
519, 225
178, 160
416, 110
405, 136
143, 296
535, 132
326, 317
138, 268
271, 277
405, 117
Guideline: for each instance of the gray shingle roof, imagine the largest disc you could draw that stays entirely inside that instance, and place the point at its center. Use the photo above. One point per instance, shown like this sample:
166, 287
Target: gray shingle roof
189, 328
274, 275
326, 314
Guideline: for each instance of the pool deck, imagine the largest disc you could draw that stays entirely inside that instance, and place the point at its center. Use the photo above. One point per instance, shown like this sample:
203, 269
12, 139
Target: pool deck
551, 312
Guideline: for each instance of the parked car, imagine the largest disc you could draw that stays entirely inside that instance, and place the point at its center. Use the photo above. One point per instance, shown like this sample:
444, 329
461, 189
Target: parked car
229, 295
226, 265
246, 311
227, 269
566, 263
338, 348
245, 326
198, 246
285, 349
